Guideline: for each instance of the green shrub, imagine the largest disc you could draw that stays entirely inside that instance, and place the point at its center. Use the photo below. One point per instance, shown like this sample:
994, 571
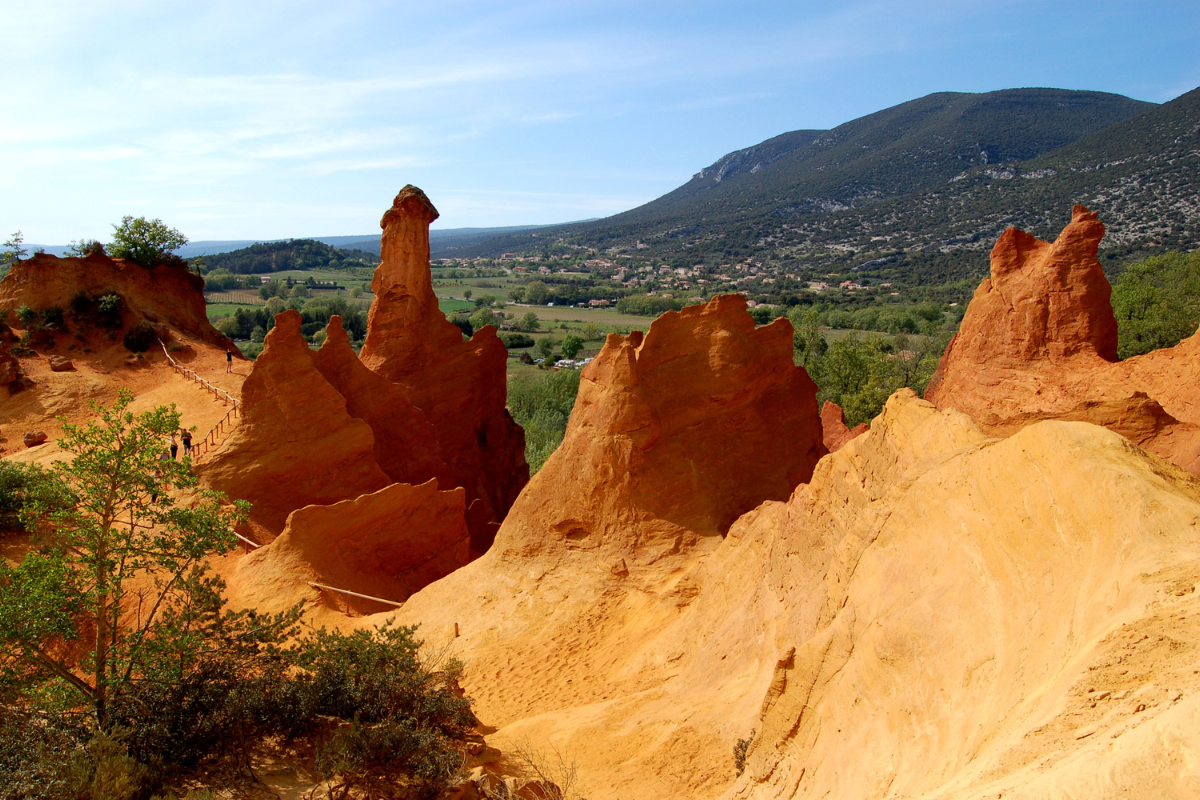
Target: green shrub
739, 752
541, 403
108, 310
571, 345
140, 337
83, 305
20, 483
26, 315
1157, 303
37, 755
52, 317
514, 341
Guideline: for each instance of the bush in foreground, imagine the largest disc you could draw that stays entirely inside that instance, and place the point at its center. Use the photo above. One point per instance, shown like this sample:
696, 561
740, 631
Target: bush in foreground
121, 669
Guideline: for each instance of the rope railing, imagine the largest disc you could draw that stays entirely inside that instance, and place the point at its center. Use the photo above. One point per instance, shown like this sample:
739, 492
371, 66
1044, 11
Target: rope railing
209, 442
354, 594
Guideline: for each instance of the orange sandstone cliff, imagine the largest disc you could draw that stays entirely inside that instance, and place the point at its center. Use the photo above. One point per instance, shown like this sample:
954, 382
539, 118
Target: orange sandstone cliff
166, 294
386, 544
421, 403
1039, 341
297, 443
935, 614
834, 431
674, 435
573, 613
459, 385
64, 363
406, 445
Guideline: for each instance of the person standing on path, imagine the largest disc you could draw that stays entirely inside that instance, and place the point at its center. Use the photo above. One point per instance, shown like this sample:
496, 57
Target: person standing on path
187, 442
228, 360
174, 447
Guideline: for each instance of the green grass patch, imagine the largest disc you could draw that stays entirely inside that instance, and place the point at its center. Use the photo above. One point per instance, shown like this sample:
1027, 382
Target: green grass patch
345, 277
224, 309
454, 306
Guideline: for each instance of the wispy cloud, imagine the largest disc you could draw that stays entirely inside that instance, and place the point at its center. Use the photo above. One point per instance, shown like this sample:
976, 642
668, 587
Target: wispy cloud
524, 111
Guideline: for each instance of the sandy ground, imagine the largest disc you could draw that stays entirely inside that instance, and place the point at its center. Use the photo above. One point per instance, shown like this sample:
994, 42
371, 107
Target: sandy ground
98, 376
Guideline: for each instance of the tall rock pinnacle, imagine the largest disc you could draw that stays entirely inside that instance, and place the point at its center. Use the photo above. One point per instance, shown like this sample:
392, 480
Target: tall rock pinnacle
459, 385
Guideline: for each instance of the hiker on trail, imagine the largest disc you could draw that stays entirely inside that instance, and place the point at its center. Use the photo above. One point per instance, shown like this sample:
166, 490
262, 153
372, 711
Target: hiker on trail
174, 447
165, 455
228, 360
187, 442
154, 486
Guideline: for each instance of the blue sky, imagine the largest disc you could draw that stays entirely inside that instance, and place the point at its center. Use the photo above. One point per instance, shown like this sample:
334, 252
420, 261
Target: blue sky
275, 119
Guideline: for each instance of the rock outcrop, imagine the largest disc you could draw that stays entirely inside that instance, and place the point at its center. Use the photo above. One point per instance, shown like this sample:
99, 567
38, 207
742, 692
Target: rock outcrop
834, 431
674, 435
975, 630
1039, 341
386, 544
297, 444
406, 446
11, 377
935, 614
166, 294
459, 385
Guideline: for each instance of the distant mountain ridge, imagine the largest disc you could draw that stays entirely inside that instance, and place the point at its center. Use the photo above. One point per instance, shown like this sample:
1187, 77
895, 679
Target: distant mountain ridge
914, 190
443, 242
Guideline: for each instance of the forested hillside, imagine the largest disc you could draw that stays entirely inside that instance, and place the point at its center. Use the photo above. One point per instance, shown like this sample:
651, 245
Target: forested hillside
912, 194
290, 254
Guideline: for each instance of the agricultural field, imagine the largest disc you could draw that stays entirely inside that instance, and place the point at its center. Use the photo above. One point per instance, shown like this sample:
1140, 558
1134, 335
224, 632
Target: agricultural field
224, 309
344, 277
578, 317
221, 304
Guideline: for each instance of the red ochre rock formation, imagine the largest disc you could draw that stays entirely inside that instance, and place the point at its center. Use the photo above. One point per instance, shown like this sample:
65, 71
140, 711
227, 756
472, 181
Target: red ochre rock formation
459, 385
674, 435
406, 446
935, 612
1039, 341
385, 544
165, 294
296, 444
834, 433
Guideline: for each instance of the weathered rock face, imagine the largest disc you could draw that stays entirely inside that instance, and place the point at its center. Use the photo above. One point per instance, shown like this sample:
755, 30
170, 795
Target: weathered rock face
675, 435
1038, 342
1053, 548
297, 444
930, 613
406, 446
386, 544
459, 385
166, 294
10, 368
834, 432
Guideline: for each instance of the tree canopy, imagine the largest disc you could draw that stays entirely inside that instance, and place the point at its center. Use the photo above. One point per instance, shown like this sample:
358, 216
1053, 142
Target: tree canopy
145, 242
1157, 303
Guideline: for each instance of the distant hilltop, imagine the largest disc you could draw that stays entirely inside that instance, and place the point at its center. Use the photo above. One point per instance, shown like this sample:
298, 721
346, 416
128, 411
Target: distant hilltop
442, 242
917, 192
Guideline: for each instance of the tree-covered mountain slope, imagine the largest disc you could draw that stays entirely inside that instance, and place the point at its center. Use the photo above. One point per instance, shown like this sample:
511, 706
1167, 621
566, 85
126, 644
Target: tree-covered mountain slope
914, 191
289, 254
